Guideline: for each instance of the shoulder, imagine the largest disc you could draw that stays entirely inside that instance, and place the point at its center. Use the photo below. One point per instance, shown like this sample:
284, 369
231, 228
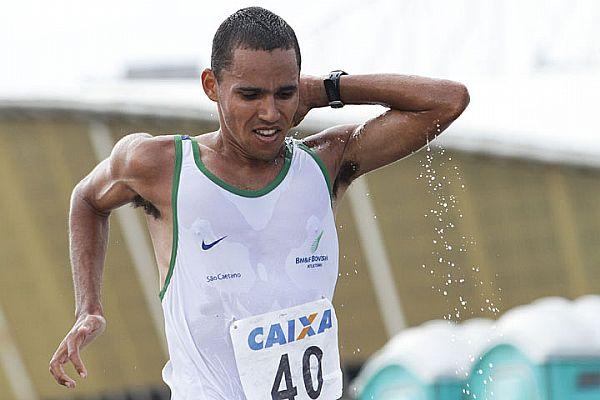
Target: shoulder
329, 145
139, 155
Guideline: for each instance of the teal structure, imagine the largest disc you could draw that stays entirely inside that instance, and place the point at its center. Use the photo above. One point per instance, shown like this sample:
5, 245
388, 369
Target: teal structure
504, 372
547, 350
396, 382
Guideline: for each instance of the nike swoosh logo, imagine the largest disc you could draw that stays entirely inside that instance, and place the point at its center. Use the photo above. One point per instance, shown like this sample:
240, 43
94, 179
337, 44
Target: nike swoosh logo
208, 246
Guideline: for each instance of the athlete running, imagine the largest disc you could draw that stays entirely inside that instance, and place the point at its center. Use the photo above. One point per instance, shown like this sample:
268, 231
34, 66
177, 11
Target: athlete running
242, 219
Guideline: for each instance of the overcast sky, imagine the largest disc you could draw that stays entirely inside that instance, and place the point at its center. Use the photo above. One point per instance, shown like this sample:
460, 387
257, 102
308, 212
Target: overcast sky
66, 41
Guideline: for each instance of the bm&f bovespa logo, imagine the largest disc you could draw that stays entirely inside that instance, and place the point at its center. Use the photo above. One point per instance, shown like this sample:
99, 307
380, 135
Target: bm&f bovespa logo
313, 260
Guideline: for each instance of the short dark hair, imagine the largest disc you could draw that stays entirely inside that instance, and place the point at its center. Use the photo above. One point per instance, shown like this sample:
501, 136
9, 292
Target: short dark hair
252, 28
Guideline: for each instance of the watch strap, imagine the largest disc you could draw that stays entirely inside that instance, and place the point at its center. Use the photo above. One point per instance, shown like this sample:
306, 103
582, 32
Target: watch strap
332, 88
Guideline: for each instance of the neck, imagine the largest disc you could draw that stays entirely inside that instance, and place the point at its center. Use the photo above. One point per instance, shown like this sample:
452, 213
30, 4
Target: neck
235, 153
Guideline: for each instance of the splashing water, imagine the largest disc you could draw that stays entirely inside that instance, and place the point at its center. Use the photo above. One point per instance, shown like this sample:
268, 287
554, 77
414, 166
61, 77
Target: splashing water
451, 248
441, 179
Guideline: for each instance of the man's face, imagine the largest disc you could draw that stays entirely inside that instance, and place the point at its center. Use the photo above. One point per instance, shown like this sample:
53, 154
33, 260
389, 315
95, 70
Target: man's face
257, 100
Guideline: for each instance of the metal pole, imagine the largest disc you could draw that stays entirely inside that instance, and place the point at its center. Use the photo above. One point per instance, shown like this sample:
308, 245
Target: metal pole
13, 365
380, 269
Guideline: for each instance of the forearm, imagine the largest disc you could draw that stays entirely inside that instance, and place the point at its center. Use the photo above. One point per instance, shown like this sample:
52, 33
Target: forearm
398, 92
88, 238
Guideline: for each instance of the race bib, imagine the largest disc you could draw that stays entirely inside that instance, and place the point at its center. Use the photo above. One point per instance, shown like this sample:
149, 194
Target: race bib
289, 354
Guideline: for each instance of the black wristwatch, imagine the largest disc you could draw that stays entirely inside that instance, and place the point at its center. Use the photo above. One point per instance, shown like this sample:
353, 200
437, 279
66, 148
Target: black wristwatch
332, 88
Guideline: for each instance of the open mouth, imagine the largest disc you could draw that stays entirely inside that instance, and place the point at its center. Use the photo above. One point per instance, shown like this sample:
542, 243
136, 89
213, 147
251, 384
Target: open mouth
267, 133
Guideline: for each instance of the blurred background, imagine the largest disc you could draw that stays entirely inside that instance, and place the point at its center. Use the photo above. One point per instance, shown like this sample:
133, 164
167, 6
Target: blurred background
502, 210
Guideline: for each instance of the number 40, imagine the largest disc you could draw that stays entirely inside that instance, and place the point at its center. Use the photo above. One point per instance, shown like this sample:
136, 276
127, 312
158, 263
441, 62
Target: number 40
283, 372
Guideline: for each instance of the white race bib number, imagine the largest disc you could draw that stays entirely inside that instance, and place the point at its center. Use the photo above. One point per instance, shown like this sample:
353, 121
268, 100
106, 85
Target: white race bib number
290, 354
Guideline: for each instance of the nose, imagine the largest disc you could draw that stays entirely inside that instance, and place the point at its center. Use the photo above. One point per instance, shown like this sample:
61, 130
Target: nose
268, 111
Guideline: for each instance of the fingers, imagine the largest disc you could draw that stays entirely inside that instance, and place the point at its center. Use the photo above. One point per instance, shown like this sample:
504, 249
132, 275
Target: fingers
82, 333
73, 346
56, 367
69, 350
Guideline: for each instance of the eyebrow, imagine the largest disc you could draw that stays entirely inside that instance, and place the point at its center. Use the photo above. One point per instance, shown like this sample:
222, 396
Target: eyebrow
259, 90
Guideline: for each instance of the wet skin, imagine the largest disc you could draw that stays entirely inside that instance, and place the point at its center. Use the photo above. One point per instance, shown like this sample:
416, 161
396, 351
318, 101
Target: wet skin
260, 89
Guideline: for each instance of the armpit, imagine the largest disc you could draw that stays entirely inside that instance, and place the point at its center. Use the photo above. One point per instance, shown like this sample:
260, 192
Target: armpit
348, 172
149, 208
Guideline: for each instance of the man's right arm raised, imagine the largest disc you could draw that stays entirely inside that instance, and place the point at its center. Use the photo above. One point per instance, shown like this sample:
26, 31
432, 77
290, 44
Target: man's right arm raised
111, 184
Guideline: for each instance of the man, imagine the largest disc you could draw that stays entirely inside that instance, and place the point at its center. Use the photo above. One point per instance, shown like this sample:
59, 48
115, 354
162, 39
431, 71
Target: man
242, 219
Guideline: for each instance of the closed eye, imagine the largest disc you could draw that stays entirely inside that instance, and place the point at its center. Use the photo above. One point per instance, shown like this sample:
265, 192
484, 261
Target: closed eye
249, 96
253, 94
286, 95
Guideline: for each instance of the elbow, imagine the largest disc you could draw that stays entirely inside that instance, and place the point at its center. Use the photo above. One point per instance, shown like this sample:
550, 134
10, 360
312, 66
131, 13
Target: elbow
81, 197
463, 98
81, 191
78, 192
458, 101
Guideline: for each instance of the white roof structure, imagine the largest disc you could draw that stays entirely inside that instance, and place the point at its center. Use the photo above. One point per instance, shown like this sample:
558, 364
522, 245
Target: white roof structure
548, 327
557, 125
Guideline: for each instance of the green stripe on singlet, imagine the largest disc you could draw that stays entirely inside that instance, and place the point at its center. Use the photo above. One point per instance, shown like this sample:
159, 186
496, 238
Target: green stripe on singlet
174, 191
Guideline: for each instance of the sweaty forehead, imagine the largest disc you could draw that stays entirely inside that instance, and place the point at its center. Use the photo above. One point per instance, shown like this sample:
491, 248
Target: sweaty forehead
262, 67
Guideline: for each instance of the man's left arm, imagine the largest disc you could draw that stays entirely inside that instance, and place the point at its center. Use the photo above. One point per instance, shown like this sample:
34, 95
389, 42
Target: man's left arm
419, 109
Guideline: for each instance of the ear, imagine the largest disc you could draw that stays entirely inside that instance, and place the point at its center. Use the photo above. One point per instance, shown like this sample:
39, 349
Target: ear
209, 84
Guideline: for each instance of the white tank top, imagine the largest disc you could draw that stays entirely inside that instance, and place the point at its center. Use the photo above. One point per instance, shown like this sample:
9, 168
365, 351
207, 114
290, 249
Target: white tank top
239, 253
